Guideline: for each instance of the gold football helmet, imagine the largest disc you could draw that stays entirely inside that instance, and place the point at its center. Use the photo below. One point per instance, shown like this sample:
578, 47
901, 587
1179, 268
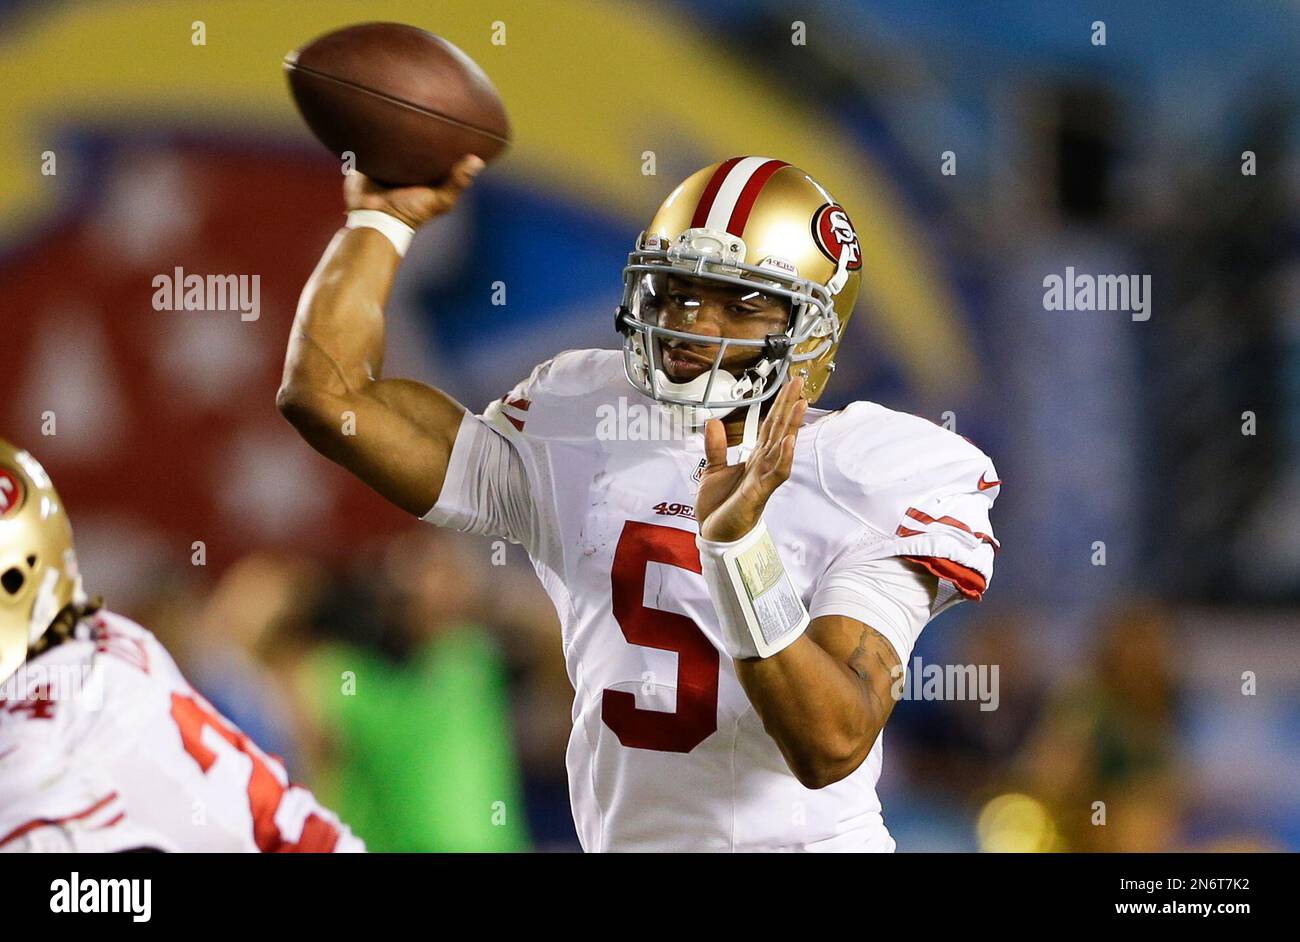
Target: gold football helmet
755, 223
38, 566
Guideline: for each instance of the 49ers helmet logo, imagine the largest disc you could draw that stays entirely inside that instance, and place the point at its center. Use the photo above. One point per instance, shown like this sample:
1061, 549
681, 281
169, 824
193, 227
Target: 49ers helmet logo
834, 233
11, 493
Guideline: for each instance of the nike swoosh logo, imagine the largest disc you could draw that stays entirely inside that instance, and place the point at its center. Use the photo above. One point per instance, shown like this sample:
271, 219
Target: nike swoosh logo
984, 485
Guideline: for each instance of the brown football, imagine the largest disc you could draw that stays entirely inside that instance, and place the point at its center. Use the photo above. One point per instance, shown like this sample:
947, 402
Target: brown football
407, 103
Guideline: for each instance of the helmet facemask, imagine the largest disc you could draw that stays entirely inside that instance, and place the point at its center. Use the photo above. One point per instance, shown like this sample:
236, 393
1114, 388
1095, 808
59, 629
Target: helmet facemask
718, 258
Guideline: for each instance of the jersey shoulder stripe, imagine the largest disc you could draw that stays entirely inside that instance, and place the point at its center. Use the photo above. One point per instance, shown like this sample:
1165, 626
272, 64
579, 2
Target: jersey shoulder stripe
917, 490
562, 397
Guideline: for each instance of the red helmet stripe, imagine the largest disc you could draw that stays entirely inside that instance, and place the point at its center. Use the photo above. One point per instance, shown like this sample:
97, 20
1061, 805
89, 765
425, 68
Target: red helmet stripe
745, 203
711, 192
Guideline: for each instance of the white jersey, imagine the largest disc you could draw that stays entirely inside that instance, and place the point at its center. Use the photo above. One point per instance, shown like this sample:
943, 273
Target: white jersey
105, 747
666, 751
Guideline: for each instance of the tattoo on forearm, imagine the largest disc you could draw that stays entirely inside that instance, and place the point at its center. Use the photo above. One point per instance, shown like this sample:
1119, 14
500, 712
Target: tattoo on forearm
869, 658
869, 655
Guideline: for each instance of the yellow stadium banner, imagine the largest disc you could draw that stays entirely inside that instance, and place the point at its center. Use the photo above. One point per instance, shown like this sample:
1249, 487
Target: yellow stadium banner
592, 86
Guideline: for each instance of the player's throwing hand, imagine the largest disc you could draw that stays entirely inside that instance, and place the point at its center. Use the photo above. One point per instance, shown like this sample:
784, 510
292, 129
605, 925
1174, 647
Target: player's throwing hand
413, 205
732, 497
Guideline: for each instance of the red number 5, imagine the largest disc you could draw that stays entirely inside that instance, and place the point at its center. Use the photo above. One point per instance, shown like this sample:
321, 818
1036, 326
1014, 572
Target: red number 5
696, 717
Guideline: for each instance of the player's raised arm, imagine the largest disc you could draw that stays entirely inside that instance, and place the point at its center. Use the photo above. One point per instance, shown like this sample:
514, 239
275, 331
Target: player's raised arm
394, 434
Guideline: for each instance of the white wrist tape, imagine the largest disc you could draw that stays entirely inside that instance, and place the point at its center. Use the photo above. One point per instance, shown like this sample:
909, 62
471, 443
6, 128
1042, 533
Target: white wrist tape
758, 608
398, 232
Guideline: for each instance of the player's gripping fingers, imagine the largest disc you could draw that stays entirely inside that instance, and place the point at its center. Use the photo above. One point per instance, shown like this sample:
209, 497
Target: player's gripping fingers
411, 204
414, 205
461, 176
359, 191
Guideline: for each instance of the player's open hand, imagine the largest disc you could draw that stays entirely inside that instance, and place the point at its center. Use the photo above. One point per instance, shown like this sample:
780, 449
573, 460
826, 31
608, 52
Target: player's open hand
732, 497
414, 205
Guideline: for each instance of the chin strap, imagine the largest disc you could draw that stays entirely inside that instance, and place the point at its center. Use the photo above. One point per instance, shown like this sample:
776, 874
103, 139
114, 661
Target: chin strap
750, 436
724, 386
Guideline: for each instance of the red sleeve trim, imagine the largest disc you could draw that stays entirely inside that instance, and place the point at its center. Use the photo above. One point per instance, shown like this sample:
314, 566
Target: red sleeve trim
967, 581
923, 517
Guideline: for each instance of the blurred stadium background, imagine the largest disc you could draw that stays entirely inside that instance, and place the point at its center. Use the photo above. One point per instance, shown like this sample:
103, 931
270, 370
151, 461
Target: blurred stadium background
1120, 683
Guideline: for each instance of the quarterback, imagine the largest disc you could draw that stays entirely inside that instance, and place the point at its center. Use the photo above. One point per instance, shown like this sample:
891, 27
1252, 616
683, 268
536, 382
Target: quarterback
103, 745
736, 600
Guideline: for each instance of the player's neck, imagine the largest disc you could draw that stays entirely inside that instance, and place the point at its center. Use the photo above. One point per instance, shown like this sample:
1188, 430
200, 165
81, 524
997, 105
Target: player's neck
735, 428
734, 422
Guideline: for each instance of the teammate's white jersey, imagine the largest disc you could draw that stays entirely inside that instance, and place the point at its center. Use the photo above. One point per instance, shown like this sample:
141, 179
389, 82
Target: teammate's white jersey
105, 747
666, 751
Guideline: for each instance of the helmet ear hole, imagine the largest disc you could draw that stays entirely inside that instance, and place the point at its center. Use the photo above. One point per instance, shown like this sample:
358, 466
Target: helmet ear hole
12, 580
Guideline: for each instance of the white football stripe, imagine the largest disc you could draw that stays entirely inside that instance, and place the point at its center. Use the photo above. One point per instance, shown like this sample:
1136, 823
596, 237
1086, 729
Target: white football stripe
725, 202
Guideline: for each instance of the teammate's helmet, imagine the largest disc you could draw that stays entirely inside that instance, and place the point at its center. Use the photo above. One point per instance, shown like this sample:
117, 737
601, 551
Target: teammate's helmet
755, 223
38, 566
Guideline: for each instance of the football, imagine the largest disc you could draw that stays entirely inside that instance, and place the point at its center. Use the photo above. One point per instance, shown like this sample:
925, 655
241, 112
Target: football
407, 104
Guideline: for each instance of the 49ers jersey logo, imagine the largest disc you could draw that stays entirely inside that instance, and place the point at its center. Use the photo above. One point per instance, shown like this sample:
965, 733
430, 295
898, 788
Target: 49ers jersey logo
11, 493
834, 233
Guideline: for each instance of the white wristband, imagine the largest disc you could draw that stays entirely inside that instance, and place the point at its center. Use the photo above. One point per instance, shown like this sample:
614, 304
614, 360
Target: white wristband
758, 608
398, 232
